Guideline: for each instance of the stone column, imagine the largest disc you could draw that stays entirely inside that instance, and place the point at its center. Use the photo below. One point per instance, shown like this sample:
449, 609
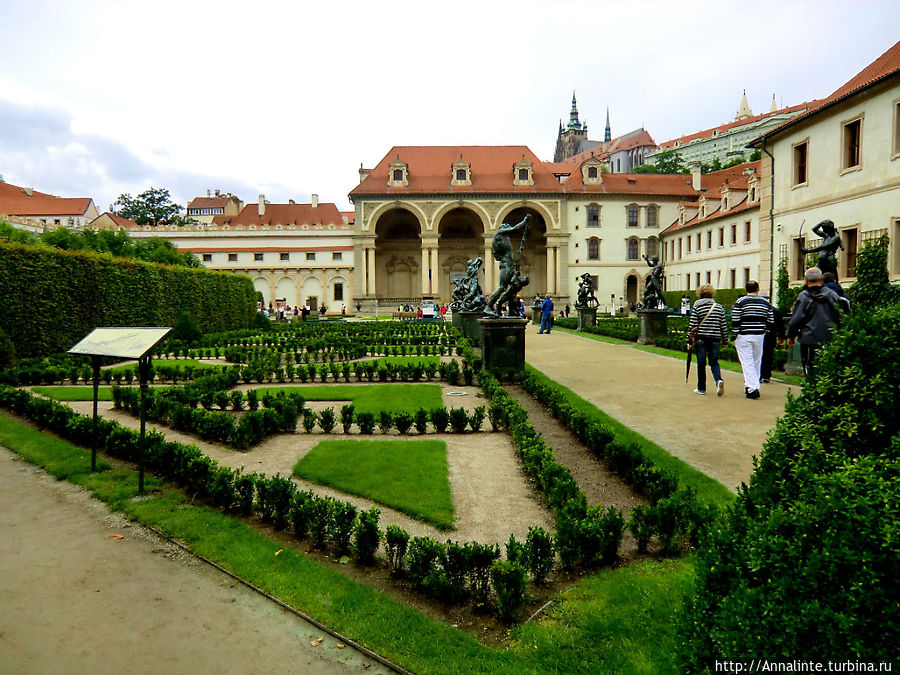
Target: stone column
370, 270
488, 266
551, 270
435, 273
426, 267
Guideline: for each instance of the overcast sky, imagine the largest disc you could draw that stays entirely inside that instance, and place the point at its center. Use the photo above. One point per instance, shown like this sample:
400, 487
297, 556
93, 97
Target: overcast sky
289, 98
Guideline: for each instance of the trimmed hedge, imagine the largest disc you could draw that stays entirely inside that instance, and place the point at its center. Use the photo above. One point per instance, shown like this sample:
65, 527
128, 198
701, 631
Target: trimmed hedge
50, 299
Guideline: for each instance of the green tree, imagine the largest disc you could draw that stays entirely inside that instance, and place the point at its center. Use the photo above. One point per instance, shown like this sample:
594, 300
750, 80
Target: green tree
150, 207
186, 329
66, 239
646, 168
873, 286
159, 250
15, 235
669, 161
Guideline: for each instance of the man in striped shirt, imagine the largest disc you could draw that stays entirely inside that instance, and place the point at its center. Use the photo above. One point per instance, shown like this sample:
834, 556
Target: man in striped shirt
751, 316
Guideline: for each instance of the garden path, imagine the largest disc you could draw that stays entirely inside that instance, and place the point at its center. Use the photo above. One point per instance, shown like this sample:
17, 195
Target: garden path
647, 392
77, 600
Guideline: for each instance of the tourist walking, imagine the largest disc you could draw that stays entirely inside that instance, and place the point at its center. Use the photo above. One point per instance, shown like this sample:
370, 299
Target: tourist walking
546, 315
708, 333
751, 317
813, 319
773, 337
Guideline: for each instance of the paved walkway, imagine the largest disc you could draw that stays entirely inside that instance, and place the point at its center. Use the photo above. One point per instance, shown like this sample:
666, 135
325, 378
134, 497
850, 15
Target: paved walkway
647, 392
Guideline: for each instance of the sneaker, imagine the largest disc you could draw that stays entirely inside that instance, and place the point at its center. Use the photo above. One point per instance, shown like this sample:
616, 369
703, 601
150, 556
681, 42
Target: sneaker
753, 394
720, 387
697, 391
765, 380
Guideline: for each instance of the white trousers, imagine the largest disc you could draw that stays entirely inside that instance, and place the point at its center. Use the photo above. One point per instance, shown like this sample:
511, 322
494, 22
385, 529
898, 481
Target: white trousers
749, 350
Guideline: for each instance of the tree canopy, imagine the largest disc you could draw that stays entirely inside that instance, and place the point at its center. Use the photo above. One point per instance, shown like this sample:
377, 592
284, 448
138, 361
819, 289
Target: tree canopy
669, 161
150, 207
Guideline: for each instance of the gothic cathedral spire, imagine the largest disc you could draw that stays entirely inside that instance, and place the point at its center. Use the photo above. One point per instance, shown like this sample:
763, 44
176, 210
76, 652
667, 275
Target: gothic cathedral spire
573, 115
607, 135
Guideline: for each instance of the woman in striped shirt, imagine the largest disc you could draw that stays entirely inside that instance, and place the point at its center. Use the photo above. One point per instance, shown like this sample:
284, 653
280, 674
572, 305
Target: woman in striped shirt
708, 334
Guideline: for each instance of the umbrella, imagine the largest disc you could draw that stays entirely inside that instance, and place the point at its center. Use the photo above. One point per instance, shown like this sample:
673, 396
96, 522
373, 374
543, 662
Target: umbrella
690, 353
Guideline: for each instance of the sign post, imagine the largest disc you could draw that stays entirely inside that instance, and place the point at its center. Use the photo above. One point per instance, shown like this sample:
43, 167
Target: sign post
123, 343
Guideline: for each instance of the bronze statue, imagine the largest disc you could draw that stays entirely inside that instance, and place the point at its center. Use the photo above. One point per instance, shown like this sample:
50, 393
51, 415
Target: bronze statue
467, 295
510, 281
653, 290
827, 250
586, 296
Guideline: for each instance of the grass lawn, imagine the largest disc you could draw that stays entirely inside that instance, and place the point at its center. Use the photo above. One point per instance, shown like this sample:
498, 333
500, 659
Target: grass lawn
410, 476
75, 393
707, 488
615, 621
371, 397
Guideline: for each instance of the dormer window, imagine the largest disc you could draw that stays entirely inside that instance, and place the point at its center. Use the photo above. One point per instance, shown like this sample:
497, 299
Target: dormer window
522, 173
461, 173
592, 172
399, 174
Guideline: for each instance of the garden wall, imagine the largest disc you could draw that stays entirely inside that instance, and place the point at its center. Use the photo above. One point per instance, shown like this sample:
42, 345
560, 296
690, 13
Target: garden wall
50, 299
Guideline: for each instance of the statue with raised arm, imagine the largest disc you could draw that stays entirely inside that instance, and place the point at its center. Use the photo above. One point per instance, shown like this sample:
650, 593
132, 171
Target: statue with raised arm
828, 248
586, 297
653, 290
471, 297
510, 280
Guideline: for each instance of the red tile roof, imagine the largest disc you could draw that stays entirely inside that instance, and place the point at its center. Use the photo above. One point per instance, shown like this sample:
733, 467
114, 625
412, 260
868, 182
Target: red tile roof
121, 222
633, 183
708, 133
350, 215
209, 202
430, 170
885, 66
14, 201
635, 139
284, 214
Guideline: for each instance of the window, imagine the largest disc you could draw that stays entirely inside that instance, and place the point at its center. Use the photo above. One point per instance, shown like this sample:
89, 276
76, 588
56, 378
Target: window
284, 256
687, 280
699, 242
852, 137
746, 276
595, 280
338, 291
310, 256
721, 237
207, 257
697, 277
680, 248
708, 277
632, 215
56, 221
652, 216
688, 243
800, 158
634, 249
258, 257
748, 231
398, 175
897, 129
460, 176
709, 239
733, 235
851, 246
652, 247
733, 275
523, 175
592, 172
593, 248
232, 257
593, 215
337, 255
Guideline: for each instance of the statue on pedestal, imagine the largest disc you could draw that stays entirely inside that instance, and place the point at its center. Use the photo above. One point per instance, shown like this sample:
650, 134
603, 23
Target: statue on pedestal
586, 297
467, 296
653, 290
510, 280
827, 250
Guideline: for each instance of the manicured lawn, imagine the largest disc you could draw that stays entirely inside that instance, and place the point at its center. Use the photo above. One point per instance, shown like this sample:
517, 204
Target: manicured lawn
707, 488
371, 397
410, 476
615, 621
75, 393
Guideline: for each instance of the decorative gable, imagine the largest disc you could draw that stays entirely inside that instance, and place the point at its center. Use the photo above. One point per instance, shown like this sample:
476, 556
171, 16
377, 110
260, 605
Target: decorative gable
398, 174
592, 172
523, 173
461, 173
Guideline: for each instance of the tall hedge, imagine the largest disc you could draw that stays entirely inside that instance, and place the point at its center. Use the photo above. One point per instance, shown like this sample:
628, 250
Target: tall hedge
50, 299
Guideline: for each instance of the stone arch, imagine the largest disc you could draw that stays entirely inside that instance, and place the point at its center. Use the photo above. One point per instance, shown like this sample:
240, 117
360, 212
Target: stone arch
398, 247
382, 209
286, 289
475, 207
537, 207
534, 257
311, 292
632, 287
460, 238
335, 303
262, 285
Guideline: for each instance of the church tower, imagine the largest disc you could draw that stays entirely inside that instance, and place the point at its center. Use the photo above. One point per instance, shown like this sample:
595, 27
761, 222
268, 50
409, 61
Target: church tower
607, 135
744, 111
568, 140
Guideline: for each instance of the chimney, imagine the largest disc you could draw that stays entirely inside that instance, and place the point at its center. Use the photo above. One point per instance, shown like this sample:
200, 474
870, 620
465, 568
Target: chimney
315, 201
217, 193
207, 192
695, 175
363, 173
28, 191
262, 205
291, 201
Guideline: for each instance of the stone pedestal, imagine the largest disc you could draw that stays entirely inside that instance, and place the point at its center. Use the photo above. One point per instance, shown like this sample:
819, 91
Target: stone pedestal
587, 317
469, 326
536, 315
503, 344
794, 364
456, 320
653, 323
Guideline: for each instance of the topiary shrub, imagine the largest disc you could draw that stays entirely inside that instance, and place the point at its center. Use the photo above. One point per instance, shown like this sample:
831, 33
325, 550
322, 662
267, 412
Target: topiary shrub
539, 553
396, 540
327, 420
385, 421
421, 420
510, 583
309, 420
366, 422
459, 420
347, 417
440, 418
367, 536
342, 521
403, 421
476, 418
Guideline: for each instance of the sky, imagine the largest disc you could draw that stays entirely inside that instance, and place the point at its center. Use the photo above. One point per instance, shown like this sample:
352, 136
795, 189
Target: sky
100, 98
